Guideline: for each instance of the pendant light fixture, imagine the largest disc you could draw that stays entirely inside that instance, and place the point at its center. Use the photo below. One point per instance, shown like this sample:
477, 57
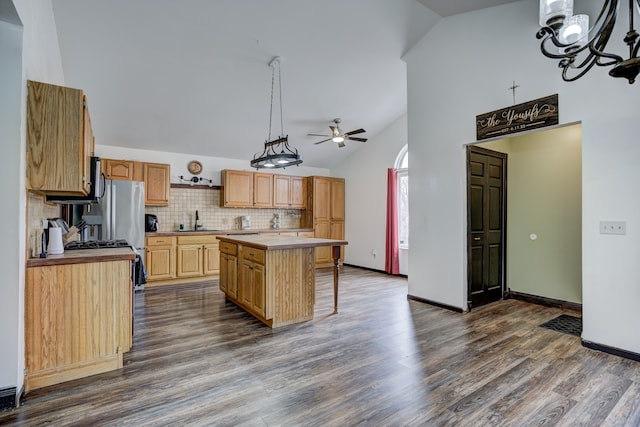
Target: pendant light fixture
567, 37
277, 153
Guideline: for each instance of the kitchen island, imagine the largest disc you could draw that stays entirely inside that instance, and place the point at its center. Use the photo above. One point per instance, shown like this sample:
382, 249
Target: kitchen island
273, 277
78, 314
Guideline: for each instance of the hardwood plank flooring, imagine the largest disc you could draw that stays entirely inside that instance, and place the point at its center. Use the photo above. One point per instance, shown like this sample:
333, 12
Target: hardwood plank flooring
383, 360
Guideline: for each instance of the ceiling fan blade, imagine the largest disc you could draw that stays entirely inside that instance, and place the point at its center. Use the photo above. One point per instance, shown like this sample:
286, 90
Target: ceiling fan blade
354, 132
316, 134
324, 140
341, 144
357, 139
335, 130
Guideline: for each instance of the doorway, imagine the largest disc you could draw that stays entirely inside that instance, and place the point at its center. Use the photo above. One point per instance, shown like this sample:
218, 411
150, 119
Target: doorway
486, 185
543, 239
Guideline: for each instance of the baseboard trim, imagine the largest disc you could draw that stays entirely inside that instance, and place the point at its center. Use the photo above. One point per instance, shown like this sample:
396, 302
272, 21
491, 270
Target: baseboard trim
547, 302
8, 398
436, 304
376, 270
611, 350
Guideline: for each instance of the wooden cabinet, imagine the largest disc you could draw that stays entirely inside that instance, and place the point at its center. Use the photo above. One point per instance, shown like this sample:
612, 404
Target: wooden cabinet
126, 170
229, 269
78, 320
243, 189
60, 140
189, 261
160, 261
289, 192
157, 184
252, 292
237, 189
262, 190
198, 256
325, 213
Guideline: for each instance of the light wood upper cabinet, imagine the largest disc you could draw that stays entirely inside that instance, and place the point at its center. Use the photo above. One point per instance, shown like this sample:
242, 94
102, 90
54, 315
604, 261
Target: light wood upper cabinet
118, 169
156, 184
289, 192
237, 188
337, 200
262, 190
60, 140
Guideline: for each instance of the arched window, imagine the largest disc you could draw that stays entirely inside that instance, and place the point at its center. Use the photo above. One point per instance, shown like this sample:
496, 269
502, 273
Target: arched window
402, 167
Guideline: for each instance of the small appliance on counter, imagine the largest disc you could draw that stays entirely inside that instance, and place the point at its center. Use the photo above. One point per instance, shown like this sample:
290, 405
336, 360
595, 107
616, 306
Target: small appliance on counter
244, 222
150, 223
55, 241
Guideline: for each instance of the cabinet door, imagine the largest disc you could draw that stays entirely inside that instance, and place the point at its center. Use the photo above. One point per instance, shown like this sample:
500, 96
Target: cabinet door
89, 145
259, 290
237, 188
245, 283
118, 169
262, 190
337, 233
229, 270
337, 200
156, 184
281, 191
59, 142
160, 262
189, 261
321, 199
297, 192
323, 253
211, 259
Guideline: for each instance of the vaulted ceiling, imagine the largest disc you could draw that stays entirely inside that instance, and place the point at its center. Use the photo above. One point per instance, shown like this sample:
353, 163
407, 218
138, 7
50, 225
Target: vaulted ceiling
192, 76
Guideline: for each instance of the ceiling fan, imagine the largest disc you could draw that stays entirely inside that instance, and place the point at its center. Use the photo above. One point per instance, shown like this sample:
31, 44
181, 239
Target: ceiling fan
339, 136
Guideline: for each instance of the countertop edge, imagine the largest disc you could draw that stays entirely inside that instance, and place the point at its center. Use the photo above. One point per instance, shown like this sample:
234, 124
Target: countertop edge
83, 256
227, 232
286, 243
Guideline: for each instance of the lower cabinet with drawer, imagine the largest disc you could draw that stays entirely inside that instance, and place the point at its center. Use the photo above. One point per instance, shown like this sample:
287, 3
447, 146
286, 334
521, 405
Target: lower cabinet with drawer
176, 259
160, 260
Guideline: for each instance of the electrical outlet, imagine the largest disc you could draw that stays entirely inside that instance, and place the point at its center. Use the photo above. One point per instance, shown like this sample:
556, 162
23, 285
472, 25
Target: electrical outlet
613, 227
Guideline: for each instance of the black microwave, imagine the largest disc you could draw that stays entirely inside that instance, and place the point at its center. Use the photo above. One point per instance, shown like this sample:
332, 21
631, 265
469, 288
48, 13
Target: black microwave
96, 188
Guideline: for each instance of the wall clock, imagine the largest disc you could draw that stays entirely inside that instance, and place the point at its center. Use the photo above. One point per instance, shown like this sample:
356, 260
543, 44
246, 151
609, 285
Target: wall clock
195, 167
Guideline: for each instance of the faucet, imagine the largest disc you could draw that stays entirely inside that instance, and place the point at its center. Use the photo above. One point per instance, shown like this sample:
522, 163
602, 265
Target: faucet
196, 225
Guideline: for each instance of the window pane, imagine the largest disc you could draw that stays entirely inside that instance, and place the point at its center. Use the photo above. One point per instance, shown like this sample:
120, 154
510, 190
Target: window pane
404, 164
403, 209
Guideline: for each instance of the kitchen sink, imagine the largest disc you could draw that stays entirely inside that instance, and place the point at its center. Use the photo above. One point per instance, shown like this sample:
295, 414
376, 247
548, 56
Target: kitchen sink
200, 230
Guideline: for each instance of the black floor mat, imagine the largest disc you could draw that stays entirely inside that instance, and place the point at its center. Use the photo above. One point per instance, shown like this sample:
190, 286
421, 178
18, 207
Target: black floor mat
566, 324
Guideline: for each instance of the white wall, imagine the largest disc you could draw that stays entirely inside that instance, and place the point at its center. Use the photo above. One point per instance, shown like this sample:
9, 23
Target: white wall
365, 173
462, 68
211, 166
10, 193
30, 52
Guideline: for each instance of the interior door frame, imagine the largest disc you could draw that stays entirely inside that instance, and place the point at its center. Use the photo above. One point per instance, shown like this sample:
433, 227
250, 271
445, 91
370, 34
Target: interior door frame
472, 148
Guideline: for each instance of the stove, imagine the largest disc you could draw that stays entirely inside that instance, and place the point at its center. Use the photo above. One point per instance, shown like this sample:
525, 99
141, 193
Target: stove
96, 244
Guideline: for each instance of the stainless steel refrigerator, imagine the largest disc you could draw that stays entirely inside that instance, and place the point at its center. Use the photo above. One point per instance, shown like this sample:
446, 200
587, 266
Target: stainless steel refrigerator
122, 210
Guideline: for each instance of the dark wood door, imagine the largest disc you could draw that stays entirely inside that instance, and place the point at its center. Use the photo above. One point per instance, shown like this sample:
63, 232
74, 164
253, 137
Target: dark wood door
486, 210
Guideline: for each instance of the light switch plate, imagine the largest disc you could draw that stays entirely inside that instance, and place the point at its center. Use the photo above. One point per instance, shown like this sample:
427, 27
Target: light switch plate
613, 227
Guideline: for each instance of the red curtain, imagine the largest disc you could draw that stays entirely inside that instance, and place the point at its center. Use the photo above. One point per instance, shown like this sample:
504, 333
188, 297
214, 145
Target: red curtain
391, 263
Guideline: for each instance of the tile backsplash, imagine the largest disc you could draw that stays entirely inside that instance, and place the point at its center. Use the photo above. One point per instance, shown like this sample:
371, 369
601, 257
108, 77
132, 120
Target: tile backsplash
184, 202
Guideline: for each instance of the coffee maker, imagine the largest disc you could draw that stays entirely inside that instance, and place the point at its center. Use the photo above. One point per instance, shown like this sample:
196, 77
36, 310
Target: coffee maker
150, 223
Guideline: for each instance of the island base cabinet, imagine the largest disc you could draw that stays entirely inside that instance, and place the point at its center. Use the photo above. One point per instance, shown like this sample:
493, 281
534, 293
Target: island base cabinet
78, 320
278, 289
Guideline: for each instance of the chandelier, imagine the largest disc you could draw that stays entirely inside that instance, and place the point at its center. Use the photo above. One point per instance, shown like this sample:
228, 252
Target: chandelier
277, 153
567, 37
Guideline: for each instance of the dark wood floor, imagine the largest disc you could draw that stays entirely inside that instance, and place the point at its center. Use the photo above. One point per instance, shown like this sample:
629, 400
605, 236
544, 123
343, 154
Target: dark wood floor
383, 360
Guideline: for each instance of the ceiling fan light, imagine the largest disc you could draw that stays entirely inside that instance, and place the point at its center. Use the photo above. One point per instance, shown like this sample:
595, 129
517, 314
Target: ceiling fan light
338, 139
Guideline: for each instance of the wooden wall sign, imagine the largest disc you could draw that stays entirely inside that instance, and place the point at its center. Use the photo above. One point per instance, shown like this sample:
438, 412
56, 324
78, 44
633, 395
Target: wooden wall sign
534, 114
